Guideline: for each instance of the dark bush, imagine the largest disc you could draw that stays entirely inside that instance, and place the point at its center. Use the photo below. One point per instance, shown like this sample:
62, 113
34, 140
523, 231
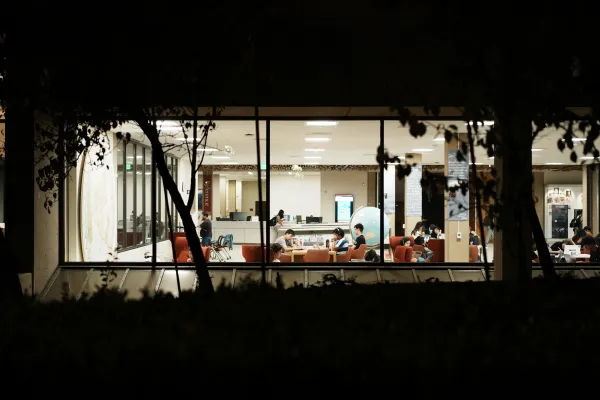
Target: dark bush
337, 334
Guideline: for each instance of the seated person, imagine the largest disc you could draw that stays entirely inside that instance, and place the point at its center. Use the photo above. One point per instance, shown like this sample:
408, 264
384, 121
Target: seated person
339, 244
285, 241
428, 254
474, 239
277, 250
577, 236
558, 247
406, 242
372, 256
190, 255
434, 231
360, 239
534, 255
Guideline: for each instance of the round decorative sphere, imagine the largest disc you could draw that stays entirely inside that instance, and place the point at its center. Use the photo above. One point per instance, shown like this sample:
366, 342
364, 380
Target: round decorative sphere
369, 217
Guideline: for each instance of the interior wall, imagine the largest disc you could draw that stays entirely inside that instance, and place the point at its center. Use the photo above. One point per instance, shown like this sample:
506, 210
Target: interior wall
563, 177
296, 196
341, 182
184, 175
250, 196
539, 197
231, 195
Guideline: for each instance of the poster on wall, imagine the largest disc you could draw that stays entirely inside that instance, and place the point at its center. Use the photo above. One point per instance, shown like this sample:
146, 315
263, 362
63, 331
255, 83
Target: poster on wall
207, 192
458, 177
414, 194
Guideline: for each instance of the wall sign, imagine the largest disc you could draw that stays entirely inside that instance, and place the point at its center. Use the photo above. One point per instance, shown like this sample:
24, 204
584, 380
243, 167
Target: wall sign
207, 178
458, 201
413, 192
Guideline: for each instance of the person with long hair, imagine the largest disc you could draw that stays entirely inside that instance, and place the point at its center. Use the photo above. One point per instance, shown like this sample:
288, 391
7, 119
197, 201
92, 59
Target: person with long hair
279, 217
418, 231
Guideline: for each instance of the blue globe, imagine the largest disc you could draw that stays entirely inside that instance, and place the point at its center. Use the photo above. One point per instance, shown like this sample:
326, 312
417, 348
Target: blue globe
369, 217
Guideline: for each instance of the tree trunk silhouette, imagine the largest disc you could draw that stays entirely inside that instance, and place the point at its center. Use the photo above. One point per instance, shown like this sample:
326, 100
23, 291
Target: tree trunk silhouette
205, 286
170, 220
486, 264
540, 242
10, 285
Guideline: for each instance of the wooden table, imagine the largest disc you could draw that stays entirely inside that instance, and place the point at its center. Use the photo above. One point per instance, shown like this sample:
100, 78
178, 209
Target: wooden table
303, 253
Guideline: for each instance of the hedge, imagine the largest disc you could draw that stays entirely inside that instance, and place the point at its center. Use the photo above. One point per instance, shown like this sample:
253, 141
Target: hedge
345, 336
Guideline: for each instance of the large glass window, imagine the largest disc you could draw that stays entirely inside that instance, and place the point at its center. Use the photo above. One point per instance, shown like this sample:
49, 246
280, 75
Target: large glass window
134, 196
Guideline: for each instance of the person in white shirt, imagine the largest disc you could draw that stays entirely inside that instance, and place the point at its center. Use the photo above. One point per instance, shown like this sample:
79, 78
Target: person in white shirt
339, 244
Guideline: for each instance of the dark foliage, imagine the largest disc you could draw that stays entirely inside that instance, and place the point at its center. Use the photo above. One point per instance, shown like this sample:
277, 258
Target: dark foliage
347, 334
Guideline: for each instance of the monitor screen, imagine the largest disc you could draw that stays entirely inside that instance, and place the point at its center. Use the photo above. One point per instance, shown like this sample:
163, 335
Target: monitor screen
344, 207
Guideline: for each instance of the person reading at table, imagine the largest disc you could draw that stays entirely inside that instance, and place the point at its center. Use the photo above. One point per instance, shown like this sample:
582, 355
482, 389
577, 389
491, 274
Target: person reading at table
285, 241
339, 244
360, 239
277, 250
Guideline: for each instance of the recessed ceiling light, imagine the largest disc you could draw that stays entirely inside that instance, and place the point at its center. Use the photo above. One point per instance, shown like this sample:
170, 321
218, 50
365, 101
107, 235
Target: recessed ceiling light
317, 139
422, 150
439, 139
250, 173
321, 123
311, 163
221, 157
230, 163
538, 149
555, 163
148, 173
313, 157
289, 173
314, 149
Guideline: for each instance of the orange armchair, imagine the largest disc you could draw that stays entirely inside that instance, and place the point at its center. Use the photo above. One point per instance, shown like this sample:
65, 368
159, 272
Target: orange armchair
473, 254
358, 254
437, 246
403, 254
251, 252
317, 256
344, 257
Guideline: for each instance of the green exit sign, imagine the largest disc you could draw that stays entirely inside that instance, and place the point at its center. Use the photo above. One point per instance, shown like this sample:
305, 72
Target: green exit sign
128, 167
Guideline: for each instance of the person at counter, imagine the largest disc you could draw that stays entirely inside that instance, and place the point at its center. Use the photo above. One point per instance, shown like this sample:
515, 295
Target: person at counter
206, 229
285, 241
279, 218
360, 239
339, 244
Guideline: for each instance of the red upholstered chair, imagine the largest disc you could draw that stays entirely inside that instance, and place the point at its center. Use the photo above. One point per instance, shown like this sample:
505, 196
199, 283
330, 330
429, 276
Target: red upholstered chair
395, 241
403, 254
251, 252
183, 256
585, 250
358, 254
285, 258
437, 246
473, 253
176, 234
344, 257
206, 252
181, 244
317, 256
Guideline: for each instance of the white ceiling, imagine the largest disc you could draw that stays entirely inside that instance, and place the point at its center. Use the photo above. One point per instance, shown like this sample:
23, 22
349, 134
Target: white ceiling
351, 143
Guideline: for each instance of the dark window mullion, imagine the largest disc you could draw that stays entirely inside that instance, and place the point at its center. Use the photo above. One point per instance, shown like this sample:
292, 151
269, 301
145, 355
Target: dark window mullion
134, 203
144, 196
124, 186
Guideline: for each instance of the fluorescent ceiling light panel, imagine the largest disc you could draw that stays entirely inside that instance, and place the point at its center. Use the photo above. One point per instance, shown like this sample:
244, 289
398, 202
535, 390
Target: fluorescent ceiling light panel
136, 157
484, 123
422, 150
230, 163
555, 163
538, 149
221, 157
311, 163
439, 139
314, 149
321, 123
586, 158
250, 173
313, 157
317, 139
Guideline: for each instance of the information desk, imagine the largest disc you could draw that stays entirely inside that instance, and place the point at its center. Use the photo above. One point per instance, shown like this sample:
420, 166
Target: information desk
242, 231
